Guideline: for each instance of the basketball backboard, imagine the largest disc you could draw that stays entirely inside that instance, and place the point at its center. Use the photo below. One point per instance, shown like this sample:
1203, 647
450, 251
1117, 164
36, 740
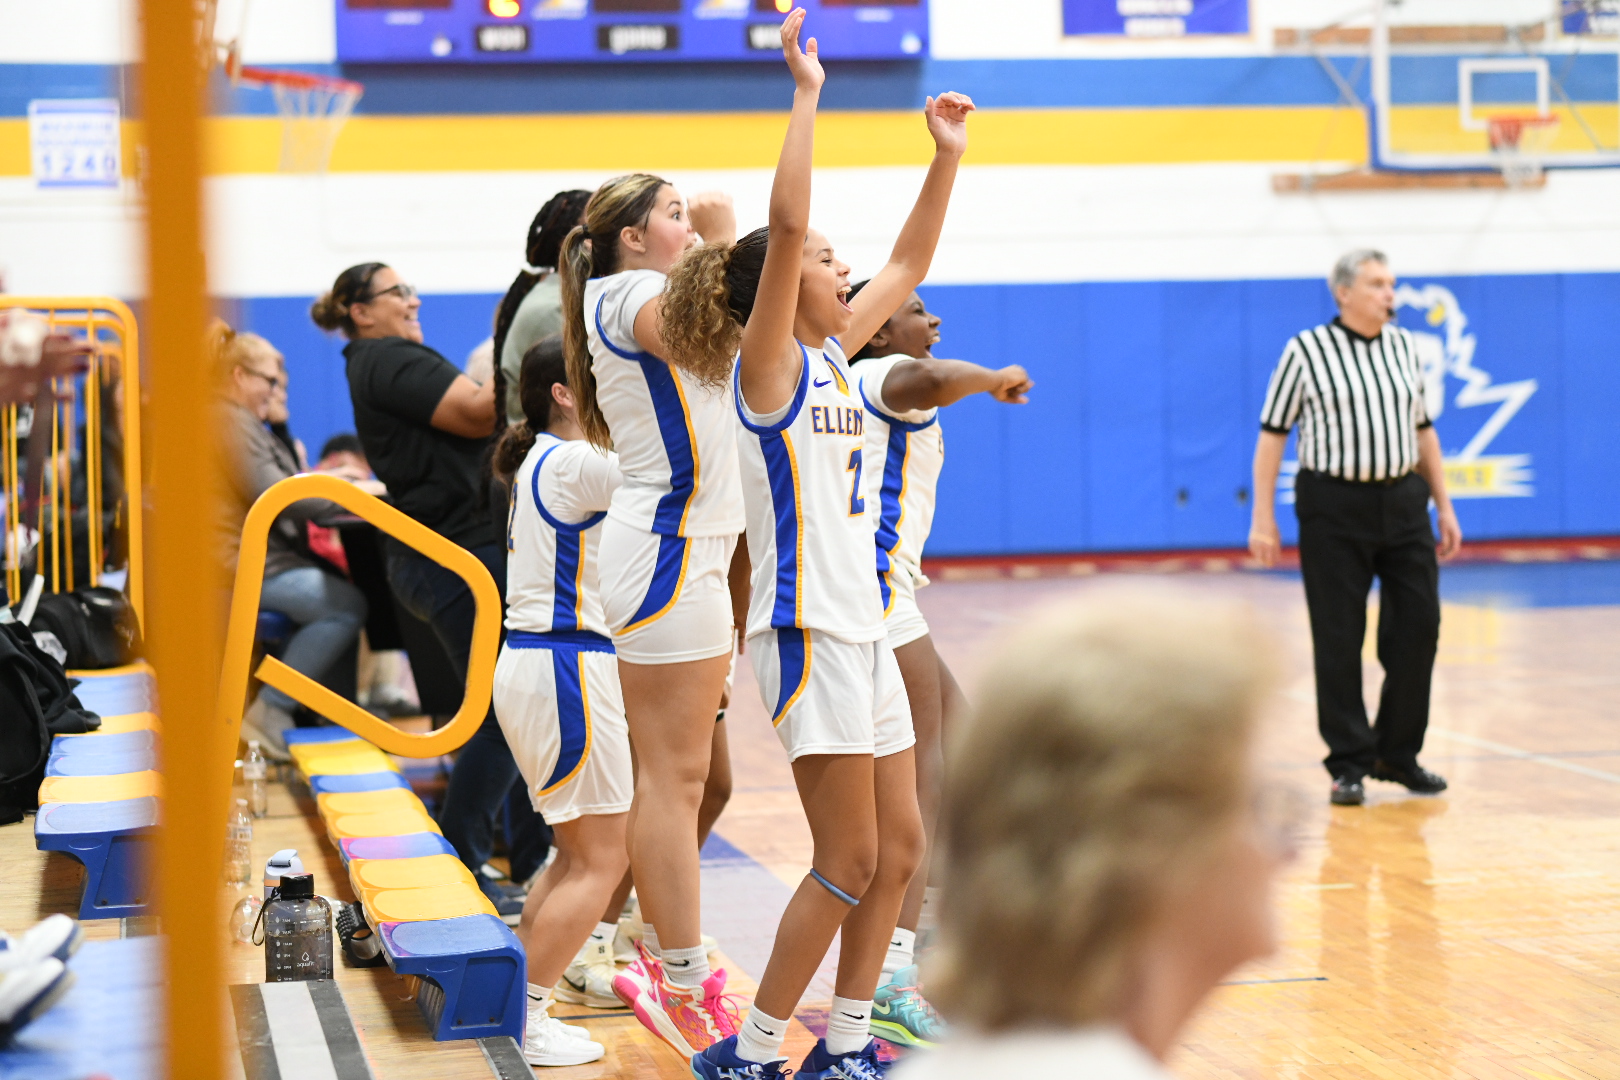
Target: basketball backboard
1436, 89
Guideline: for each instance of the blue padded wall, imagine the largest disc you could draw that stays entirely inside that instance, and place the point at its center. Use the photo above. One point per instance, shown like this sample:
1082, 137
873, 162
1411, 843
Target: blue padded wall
1141, 428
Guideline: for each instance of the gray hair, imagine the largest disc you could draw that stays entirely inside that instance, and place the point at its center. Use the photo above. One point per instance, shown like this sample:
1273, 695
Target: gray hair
1349, 265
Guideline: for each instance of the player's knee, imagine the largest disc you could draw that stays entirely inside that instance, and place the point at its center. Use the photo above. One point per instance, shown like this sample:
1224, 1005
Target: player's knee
901, 853
852, 867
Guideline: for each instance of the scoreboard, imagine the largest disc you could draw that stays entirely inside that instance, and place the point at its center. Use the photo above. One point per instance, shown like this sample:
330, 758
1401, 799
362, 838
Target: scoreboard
619, 31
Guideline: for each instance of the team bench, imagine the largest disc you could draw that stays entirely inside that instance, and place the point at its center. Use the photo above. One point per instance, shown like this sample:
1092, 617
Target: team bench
99, 800
430, 915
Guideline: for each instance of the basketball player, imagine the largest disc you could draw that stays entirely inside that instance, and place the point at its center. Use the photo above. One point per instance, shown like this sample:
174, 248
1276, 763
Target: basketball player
667, 546
815, 624
557, 689
902, 387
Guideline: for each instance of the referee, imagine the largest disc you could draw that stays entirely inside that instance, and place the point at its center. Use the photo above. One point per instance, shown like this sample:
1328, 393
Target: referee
1369, 462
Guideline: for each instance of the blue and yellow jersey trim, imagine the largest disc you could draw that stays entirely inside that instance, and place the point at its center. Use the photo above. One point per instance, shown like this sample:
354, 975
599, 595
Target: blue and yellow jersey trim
674, 418
668, 579
892, 493
568, 570
793, 655
782, 472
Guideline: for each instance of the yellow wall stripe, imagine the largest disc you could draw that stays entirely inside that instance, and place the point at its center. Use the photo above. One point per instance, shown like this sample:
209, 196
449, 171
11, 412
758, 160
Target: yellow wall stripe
622, 141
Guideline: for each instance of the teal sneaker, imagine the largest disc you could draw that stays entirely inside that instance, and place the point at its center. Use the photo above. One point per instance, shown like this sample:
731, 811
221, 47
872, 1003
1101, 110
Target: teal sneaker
901, 1015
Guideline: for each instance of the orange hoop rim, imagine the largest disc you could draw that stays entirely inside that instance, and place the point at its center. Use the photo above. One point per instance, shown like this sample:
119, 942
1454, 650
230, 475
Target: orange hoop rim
294, 80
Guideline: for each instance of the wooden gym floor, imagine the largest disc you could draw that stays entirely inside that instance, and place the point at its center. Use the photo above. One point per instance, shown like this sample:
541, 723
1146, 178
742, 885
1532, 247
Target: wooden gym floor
1475, 935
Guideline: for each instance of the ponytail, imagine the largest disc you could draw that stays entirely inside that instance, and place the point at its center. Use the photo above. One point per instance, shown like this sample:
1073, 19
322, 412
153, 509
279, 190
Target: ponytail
592, 251
574, 266
546, 232
543, 368
707, 303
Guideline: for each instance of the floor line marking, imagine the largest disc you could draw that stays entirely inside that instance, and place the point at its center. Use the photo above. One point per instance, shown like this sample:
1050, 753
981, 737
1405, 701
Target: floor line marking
1526, 755
1268, 982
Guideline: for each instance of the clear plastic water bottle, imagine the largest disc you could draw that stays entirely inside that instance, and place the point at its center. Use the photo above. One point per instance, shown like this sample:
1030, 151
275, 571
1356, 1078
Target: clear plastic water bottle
239, 846
279, 865
297, 932
245, 917
255, 771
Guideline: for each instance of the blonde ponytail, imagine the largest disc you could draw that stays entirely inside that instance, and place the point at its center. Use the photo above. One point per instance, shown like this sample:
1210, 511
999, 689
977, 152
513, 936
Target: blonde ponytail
574, 268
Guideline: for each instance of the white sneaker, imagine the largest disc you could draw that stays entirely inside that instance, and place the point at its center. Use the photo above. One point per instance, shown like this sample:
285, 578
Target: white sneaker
551, 1042
57, 936
589, 979
29, 990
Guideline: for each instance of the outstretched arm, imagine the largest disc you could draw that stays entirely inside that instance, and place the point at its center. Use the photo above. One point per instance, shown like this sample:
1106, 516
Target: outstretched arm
929, 383
770, 362
914, 250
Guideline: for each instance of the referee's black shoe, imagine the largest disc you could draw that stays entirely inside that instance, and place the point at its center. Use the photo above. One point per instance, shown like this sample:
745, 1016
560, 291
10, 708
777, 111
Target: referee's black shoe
1416, 779
1347, 791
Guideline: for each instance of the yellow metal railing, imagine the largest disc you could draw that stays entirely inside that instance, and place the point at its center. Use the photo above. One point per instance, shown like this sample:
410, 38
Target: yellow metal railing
110, 327
308, 692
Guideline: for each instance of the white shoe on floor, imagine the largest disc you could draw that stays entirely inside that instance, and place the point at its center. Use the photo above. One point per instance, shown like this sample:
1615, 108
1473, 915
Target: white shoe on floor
551, 1042
589, 979
55, 936
266, 724
29, 990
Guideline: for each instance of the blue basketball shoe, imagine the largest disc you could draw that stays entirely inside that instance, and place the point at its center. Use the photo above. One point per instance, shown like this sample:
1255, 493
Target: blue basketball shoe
720, 1062
862, 1064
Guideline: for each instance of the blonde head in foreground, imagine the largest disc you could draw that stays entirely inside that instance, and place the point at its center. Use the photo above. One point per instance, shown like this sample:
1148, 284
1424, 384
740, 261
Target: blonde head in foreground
1109, 855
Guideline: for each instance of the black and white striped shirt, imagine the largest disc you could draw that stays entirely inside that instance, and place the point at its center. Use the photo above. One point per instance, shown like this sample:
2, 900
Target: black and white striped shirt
1358, 401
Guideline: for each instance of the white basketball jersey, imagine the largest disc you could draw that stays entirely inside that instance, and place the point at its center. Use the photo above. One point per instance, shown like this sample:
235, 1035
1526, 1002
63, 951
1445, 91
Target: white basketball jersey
809, 522
675, 438
905, 452
554, 531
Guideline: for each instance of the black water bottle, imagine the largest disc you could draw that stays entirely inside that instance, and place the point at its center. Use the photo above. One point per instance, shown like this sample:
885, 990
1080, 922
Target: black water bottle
297, 932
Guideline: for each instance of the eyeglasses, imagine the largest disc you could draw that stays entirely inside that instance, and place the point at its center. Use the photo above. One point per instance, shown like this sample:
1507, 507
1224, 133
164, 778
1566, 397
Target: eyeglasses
273, 380
402, 290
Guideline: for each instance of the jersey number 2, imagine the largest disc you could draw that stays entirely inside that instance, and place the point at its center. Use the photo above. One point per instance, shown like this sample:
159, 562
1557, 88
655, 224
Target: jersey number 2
857, 504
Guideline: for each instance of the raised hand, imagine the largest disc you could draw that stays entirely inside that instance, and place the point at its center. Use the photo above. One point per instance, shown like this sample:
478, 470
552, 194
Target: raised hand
805, 64
713, 216
947, 120
1015, 386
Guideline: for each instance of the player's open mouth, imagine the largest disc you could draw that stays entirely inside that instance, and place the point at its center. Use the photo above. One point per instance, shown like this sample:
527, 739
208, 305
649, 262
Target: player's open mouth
843, 298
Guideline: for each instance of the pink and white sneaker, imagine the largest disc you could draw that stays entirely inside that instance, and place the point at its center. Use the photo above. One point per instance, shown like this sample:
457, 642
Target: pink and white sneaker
638, 987
705, 1014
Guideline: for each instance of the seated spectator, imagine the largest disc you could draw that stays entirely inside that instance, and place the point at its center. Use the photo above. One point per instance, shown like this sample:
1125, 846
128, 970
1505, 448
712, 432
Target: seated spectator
276, 416
328, 610
1109, 848
344, 457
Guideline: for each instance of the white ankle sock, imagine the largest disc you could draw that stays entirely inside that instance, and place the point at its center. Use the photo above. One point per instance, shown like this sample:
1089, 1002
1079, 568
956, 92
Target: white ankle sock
604, 931
849, 1025
687, 967
902, 946
539, 1004
649, 940
760, 1037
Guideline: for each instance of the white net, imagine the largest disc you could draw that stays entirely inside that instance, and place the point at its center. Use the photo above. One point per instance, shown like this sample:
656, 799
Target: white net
312, 115
1520, 144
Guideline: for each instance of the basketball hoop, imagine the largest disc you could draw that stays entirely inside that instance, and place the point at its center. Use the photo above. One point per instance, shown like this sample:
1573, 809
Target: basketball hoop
1520, 143
313, 110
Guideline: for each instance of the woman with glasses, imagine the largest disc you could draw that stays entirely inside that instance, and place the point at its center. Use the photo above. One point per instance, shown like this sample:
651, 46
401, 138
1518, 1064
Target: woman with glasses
328, 610
424, 427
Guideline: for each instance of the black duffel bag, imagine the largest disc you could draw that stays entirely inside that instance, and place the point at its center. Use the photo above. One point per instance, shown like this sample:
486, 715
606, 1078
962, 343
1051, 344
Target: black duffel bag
36, 702
95, 625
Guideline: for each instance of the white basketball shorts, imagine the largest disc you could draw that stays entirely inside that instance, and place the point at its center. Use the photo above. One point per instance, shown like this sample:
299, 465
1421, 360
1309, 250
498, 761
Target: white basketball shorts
563, 715
666, 598
827, 696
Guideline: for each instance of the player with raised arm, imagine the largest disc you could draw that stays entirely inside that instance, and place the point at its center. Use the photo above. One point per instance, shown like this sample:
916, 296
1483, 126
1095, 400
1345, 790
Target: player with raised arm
815, 624
667, 547
903, 386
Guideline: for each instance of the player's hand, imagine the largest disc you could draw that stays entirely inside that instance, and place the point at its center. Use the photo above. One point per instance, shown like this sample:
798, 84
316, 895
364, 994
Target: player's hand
1015, 386
1265, 544
713, 216
947, 121
1450, 534
804, 63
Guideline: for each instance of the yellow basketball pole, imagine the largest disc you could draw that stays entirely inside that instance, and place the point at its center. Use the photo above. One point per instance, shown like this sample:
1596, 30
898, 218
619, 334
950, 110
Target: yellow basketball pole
185, 579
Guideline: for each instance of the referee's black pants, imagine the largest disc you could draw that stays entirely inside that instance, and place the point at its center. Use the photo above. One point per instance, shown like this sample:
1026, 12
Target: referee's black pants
1348, 534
